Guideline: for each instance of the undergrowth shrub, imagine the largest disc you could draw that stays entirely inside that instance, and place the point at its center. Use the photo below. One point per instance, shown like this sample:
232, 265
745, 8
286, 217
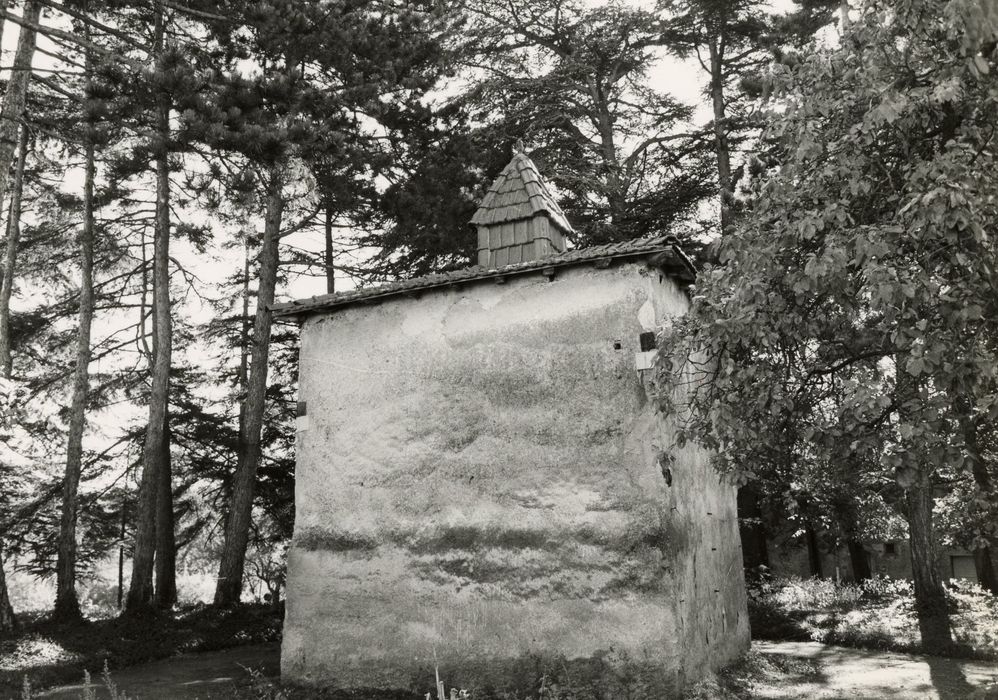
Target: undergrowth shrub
89, 690
876, 614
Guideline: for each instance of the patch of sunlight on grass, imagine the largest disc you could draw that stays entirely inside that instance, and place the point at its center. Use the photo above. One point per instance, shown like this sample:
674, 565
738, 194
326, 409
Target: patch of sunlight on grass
36, 651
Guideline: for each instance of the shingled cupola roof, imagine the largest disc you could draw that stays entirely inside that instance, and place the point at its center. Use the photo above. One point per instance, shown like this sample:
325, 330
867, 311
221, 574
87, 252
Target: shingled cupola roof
518, 219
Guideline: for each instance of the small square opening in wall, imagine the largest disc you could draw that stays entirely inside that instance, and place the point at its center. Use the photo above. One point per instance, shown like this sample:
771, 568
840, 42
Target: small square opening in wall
890, 548
647, 341
617, 345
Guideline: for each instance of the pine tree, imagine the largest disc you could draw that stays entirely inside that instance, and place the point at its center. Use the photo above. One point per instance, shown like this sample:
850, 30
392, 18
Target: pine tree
733, 42
230, 574
154, 452
371, 68
573, 82
66, 603
11, 113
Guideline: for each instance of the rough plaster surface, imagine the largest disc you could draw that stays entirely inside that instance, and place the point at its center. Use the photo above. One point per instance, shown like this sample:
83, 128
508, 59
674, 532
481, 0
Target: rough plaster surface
480, 480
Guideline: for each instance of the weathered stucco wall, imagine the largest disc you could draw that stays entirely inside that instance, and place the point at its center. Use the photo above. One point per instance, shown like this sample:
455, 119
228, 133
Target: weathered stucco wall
479, 480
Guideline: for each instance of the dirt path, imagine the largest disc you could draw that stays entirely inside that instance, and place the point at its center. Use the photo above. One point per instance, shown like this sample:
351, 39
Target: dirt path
827, 672
823, 673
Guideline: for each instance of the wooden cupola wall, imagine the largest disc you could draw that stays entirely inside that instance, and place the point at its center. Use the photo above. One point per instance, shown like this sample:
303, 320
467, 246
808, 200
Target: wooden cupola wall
518, 219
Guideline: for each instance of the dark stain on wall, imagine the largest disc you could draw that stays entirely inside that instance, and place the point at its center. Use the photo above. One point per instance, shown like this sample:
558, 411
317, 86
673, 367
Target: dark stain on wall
470, 538
663, 536
318, 539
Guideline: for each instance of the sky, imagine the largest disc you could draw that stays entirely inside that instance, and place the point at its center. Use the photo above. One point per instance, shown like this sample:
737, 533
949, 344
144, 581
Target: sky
685, 80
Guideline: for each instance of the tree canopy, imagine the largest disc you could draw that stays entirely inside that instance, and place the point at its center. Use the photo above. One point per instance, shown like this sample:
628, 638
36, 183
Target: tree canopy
852, 319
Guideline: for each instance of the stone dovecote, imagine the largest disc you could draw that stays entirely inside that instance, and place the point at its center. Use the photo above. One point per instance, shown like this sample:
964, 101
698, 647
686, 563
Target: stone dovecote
519, 220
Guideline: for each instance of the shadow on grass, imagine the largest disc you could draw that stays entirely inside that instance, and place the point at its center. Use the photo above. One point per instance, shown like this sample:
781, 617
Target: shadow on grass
950, 682
777, 624
878, 614
758, 672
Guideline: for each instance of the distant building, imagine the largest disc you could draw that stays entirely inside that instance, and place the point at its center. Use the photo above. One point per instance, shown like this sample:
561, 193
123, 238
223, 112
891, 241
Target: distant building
789, 557
482, 476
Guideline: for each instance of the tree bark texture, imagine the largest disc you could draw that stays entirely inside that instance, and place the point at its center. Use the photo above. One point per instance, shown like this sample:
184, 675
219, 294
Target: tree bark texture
4, 5
8, 621
616, 186
230, 572
930, 598
140, 591
166, 545
10, 254
329, 264
11, 115
969, 426
121, 557
67, 606
721, 146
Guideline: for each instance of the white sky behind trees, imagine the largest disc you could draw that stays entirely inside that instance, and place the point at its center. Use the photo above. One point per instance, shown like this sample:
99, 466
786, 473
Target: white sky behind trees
685, 80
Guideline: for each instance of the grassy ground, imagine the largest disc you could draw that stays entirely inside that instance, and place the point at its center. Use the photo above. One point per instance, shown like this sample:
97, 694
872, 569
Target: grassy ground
50, 654
739, 682
771, 672
877, 614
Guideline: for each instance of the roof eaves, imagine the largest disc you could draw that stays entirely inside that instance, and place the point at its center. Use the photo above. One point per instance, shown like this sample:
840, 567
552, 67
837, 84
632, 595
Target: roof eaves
669, 254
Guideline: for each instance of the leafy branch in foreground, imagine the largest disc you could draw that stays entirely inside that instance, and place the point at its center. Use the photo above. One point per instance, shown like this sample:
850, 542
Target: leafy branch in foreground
855, 316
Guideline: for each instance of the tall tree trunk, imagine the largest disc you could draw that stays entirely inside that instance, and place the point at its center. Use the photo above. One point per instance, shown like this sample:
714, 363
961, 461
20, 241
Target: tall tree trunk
166, 545
121, 556
813, 549
930, 598
67, 606
8, 622
10, 254
4, 4
755, 552
859, 560
616, 187
230, 572
329, 264
11, 115
969, 426
247, 326
245, 340
716, 46
140, 591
